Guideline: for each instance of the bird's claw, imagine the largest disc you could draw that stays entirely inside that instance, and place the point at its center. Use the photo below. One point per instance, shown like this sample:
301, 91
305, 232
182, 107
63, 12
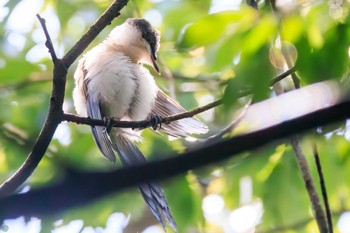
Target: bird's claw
108, 124
155, 121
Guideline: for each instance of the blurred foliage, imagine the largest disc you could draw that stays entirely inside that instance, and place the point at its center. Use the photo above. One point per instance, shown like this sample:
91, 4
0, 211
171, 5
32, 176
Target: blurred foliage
213, 51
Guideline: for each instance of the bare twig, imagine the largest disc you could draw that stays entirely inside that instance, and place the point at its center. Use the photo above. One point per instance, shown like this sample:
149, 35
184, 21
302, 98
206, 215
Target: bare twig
232, 125
79, 188
323, 188
139, 124
48, 42
287, 57
309, 184
282, 76
296, 145
166, 119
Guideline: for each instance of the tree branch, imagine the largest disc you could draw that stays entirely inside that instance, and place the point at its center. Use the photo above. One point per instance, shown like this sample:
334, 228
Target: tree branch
138, 124
48, 42
282, 76
105, 19
304, 168
57, 95
309, 184
166, 119
51, 123
79, 188
323, 188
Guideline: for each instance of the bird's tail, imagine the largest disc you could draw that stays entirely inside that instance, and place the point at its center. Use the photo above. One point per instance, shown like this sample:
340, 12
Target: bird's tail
152, 192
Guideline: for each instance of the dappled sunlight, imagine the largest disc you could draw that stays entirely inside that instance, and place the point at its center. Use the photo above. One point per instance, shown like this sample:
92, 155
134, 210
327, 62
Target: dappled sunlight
243, 219
227, 50
290, 105
344, 222
63, 134
153, 229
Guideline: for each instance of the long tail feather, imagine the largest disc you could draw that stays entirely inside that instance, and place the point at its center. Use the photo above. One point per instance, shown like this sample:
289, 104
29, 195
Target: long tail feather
152, 192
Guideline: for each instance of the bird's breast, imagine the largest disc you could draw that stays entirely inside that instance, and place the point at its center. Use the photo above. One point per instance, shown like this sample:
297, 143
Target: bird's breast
124, 89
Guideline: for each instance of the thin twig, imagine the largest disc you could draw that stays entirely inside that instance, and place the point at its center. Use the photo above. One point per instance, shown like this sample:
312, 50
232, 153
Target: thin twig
166, 119
48, 42
290, 63
282, 76
138, 124
78, 188
232, 125
323, 189
309, 184
299, 155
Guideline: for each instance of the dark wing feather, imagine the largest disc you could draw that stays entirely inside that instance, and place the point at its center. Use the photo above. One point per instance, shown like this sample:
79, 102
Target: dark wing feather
165, 106
152, 192
99, 132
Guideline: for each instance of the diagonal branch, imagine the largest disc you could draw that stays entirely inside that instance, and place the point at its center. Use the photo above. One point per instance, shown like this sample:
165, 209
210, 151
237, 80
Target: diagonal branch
323, 189
48, 130
105, 19
55, 114
79, 188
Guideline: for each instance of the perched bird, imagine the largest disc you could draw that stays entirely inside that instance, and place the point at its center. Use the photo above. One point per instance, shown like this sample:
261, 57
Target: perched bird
111, 81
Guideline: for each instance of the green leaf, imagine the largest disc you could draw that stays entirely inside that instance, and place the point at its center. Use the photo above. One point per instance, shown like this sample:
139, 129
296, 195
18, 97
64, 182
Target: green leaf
213, 27
329, 61
17, 69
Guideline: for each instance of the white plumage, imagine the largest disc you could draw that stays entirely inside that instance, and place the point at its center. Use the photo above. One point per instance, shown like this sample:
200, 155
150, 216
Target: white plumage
110, 81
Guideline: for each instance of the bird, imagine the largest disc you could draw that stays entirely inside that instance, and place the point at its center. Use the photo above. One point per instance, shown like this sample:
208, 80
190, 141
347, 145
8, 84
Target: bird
112, 80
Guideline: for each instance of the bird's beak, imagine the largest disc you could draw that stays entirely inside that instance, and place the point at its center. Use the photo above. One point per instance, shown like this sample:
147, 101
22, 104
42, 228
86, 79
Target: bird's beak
154, 63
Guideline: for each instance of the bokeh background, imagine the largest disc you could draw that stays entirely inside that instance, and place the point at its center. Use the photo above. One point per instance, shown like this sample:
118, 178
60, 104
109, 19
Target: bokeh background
210, 49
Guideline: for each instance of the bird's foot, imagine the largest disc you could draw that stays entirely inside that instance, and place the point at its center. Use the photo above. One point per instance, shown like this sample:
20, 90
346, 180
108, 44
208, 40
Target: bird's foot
108, 124
155, 121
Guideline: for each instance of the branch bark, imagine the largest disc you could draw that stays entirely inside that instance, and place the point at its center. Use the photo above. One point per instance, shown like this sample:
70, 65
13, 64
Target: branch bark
310, 185
52, 121
323, 189
79, 188
139, 124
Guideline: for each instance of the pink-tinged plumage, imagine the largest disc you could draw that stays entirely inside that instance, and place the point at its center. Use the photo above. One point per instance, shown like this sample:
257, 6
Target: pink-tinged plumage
110, 81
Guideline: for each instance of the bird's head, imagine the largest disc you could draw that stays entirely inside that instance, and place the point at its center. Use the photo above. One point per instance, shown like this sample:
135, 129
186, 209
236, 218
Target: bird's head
139, 39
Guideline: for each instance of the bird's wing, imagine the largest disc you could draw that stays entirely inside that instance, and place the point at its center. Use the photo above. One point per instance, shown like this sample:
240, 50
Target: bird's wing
99, 132
165, 106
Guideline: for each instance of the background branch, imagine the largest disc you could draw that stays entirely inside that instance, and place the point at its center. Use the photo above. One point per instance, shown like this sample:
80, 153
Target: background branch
78, 188
323, 189
309, 184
